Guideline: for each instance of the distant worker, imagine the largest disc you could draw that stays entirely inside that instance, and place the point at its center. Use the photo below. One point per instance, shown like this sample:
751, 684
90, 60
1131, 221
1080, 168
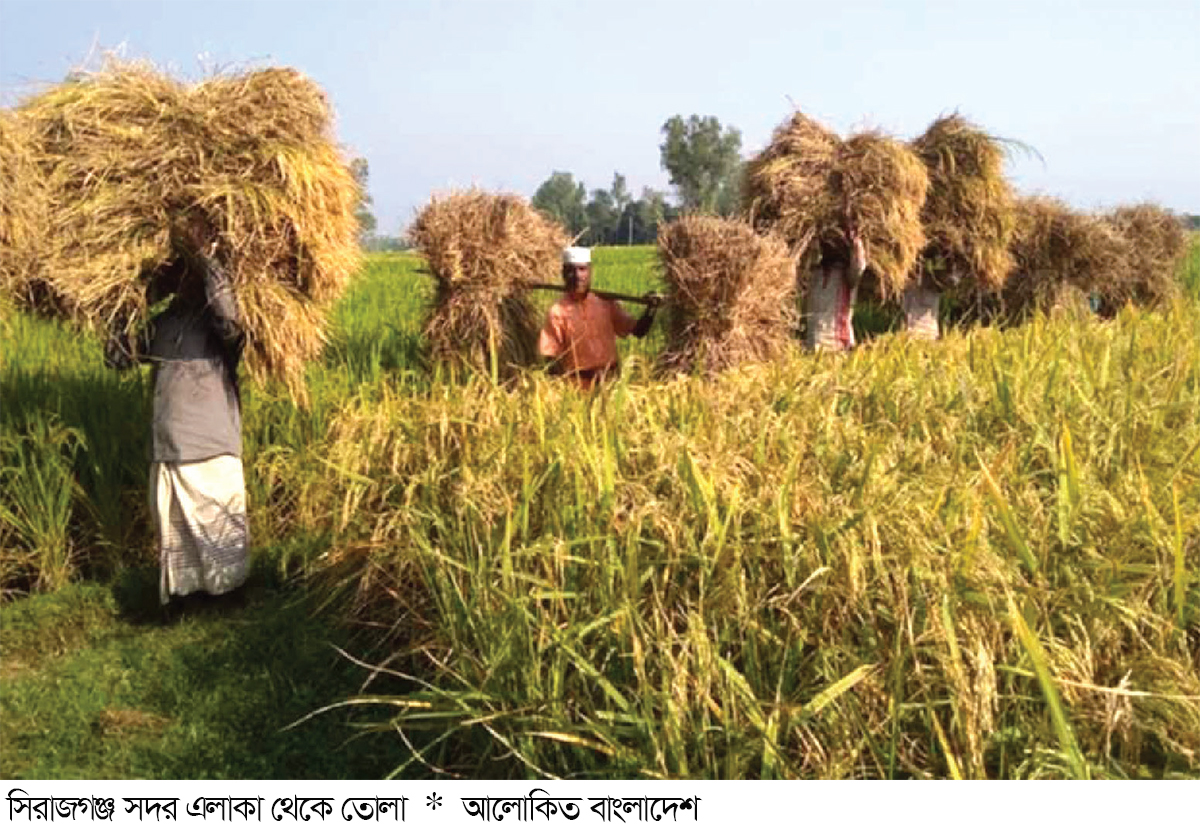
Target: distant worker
581, 330
921, 311
197, 487
832, 290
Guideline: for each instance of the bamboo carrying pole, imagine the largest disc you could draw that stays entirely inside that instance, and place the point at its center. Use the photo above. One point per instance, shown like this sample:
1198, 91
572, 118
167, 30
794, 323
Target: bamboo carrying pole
603, 294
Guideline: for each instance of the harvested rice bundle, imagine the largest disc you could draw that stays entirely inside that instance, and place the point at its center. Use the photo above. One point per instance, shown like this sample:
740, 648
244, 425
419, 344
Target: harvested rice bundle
884, 186
22, 215
969, 219
969, 214
1056, 249
814, 189
131, 154
786, 186
1154, 241
731, 294
485, 251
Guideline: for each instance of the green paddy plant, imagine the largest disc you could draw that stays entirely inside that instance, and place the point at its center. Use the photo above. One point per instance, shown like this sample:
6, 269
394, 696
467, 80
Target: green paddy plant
38, 494
975, 558
799, 569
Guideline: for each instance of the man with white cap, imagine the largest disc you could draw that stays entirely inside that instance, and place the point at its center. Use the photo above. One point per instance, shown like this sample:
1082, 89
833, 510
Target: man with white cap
581, 330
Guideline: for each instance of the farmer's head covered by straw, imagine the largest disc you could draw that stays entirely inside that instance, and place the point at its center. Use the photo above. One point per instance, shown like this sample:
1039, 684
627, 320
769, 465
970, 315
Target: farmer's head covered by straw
197, 487
832, 290
580, 333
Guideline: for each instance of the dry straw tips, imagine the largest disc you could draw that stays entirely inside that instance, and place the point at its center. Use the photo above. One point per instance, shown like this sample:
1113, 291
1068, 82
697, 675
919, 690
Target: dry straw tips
129, 153
816, 190
485, 251
731, 294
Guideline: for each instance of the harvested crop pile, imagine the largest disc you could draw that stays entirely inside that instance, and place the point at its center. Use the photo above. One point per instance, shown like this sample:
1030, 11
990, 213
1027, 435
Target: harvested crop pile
731, 294
485, 250
22, 213
1154, 241
812, 188
130, 155
969, 215
1056, 250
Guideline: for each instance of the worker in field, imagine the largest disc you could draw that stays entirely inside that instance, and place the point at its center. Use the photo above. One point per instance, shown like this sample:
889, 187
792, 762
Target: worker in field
581, 329
197, 487
921, 305
832, 289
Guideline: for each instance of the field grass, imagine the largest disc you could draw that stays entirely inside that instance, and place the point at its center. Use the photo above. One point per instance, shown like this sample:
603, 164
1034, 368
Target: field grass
95, 687
1189, 271
973, 558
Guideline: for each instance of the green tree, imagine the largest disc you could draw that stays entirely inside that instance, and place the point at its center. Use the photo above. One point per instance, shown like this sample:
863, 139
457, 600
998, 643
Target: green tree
729, 196
640, 219
366, 220
563, 199
702, 159
602, 218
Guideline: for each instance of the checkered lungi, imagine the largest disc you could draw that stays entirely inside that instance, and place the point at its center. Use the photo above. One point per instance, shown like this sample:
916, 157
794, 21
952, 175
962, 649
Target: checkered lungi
199, 509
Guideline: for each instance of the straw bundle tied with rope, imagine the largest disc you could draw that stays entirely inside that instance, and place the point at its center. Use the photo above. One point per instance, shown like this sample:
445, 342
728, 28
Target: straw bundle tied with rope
731, 296
969, 215
1154, 241
486, 251
1058, 252
814, 189
132, 156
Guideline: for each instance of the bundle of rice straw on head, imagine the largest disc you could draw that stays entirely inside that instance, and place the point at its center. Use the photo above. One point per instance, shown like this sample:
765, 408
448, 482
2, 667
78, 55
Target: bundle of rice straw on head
969, 214
485, 250
1058, 253
23, 209
813, 189
132, 155
731, 295
1154, 242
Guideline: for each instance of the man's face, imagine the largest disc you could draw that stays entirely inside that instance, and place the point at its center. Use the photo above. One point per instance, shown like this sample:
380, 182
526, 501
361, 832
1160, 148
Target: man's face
577, 278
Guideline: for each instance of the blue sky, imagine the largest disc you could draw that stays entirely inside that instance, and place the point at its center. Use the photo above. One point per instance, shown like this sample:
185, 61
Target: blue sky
499, 94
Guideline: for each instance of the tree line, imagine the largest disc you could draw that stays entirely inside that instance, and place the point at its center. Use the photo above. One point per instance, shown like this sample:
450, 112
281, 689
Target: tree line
703, 161
701, 156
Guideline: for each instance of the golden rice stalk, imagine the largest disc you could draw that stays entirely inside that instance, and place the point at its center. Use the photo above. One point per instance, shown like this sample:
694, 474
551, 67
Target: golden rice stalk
23, 208
786, 186
814, 189
883, 185
1057, 249
969, 214
1155, 241
731, 294
484, 251
130, 154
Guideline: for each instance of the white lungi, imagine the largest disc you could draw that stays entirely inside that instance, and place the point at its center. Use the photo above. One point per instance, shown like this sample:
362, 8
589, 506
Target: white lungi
921, 312
199, 509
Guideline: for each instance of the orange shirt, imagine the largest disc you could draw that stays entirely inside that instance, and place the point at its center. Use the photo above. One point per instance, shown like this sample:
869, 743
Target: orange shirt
584, 334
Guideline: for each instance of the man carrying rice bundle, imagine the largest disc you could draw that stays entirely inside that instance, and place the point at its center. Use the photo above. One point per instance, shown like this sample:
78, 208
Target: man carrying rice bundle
832, 290
842, 205
126, 151
969, 218
197, 487
581, 329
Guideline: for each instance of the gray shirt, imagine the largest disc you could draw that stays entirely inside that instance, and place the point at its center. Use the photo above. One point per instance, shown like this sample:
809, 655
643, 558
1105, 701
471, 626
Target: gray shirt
195, 348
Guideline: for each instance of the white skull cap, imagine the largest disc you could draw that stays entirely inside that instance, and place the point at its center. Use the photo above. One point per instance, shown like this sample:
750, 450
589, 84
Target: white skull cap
577, 255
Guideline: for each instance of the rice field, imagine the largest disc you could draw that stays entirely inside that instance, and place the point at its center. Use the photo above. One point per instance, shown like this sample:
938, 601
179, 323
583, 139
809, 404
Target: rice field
973, 558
